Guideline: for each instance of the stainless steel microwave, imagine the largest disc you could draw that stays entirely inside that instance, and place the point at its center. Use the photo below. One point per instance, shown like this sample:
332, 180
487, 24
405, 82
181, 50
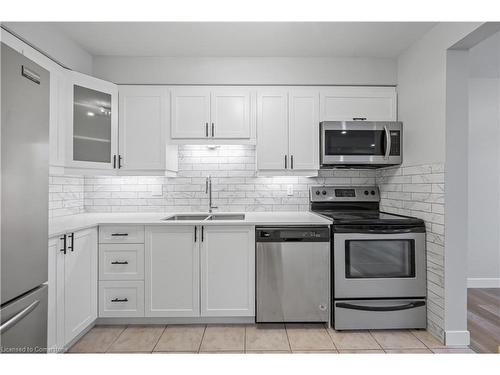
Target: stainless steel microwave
356, 144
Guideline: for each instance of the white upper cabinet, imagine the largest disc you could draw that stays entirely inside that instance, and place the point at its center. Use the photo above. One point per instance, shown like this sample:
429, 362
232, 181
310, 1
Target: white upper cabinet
57, 119
142, 127
204, 114
288, 132
358, 103
230, 113
190, 112
92, 116
272, 130
228, 271
304, 129
172, 271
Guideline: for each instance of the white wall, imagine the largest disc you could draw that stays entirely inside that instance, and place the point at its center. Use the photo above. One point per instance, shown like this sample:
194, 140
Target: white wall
53, 43
422, 92
251, 70
455, 254
483, 164
423, 106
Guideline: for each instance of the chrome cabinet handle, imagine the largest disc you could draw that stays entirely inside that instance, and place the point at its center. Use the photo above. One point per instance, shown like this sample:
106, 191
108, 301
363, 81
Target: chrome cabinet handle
387, 142
291, 162
114, 161
119, 234
359, 118
213, 129
119, 262
286, 156
120, 300
206, 129
202, 233
195, 233
19, 316
119, 161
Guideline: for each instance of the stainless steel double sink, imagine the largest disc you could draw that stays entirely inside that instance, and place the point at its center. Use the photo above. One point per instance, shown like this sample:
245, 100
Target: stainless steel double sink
204, 217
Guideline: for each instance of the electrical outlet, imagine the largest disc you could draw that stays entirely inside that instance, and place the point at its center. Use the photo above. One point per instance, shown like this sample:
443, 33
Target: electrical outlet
156, 191
289, 190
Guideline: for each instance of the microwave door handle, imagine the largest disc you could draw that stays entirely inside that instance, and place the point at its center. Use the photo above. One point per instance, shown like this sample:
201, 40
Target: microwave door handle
387, 142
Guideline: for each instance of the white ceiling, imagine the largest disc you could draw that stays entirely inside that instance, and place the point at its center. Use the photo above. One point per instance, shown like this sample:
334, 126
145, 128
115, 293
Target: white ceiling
245, 39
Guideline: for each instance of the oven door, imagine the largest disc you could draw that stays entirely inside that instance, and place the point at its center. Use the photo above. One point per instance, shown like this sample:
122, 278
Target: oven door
379, 265
357, 143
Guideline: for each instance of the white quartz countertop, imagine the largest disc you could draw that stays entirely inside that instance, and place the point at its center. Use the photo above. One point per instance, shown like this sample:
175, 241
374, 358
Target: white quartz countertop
65, 224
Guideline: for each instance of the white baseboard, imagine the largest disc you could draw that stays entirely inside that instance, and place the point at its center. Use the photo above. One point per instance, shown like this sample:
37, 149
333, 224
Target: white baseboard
457, 338
490, 282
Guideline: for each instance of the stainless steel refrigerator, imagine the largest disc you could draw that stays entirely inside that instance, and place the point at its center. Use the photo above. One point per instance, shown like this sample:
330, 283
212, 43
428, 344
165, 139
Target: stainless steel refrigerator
24, 203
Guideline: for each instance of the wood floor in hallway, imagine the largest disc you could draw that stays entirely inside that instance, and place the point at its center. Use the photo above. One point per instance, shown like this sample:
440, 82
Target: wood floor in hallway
483, 319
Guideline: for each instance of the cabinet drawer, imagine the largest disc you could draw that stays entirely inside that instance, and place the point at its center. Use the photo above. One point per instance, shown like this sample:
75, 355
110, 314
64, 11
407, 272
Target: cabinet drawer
121, 234
121, 298
121, 262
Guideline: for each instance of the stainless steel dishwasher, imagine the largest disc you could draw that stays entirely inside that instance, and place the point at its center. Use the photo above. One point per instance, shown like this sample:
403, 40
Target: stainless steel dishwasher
293, 274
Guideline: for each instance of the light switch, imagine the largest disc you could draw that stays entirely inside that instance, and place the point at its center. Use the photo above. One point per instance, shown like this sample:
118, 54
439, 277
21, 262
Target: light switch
289, 190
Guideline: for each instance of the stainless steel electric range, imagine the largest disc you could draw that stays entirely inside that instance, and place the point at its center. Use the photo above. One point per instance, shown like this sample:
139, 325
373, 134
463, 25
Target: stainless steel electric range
378, 261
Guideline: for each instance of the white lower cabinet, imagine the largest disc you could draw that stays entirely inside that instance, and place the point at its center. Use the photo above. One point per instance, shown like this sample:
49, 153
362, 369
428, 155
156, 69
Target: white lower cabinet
121, 298
121, 271
121, 262
80, 283
72, 286
173, 266
228, 271
172, 271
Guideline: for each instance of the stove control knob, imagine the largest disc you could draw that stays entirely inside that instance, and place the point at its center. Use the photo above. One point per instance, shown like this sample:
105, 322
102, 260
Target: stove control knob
323, 192
317, 192
366, 192
373, 192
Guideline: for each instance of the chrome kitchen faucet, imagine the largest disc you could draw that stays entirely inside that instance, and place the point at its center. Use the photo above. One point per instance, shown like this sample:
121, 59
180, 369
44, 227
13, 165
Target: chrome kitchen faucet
208, 190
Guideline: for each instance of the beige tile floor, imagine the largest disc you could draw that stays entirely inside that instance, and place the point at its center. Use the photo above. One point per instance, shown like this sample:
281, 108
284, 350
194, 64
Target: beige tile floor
273, 338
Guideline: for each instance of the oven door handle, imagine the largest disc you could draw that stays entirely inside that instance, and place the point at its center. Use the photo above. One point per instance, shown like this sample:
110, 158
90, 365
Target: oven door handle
406, 306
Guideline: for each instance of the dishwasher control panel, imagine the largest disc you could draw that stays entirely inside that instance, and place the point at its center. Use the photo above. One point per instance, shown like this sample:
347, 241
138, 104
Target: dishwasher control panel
284, 234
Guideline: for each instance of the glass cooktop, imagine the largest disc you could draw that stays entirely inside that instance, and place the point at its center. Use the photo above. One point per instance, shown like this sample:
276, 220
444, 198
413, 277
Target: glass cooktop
368, 217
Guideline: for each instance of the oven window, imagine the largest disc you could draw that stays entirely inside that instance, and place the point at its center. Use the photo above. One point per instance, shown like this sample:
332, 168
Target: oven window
380, 259
354, 142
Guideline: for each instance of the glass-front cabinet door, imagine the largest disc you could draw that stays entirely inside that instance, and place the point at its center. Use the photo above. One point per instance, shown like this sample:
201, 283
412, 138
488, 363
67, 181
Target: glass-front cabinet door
93, 119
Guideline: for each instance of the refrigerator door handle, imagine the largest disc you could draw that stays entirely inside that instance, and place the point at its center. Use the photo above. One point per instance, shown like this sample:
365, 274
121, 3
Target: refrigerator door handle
18, 317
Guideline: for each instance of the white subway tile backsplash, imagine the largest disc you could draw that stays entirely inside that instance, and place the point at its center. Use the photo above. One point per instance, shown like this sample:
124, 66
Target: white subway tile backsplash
66, 195
419, 191
236, 186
